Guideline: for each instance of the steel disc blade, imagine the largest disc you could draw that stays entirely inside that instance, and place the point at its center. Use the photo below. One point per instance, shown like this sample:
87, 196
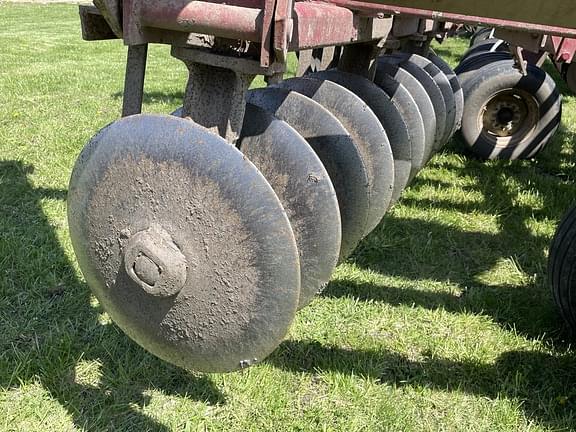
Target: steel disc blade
184, 243
456, 88
389, 117
366, 131
335, 148
431, 88
391, 67
443, 85
301, 182
411, 117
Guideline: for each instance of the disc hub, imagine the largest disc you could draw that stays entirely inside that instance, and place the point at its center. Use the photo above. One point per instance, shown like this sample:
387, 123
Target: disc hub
155, 262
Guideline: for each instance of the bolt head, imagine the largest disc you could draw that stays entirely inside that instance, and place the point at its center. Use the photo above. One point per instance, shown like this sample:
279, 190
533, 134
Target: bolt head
155, 263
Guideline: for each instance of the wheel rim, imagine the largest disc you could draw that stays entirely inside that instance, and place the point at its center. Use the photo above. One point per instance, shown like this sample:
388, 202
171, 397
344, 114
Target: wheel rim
509, 117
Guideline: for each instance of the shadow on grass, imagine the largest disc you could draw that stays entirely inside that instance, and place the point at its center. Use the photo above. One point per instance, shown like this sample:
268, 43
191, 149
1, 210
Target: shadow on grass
438, 250
544, 384
49, 328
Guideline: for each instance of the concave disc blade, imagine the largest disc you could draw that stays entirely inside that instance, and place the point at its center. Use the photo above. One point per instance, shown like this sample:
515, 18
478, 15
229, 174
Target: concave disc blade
443, 84
335, 148
432, 89
184, 243
366, 131
305, 190
389, 117
421, 97
456, 88
411, 120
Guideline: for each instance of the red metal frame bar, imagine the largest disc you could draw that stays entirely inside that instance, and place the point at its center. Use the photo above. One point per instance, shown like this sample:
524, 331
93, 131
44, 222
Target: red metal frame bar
376, 8
538, 15
281, 25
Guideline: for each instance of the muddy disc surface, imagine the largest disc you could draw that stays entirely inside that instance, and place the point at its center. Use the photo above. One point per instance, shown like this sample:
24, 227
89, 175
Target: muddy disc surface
405, 62
421, 97
456, 88
336, 149
184, 243
301, 182
366, 131
443, 84
390, 119
411, 117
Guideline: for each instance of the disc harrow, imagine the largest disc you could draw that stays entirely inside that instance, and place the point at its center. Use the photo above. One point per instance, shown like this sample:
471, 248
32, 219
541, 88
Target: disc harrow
203, 232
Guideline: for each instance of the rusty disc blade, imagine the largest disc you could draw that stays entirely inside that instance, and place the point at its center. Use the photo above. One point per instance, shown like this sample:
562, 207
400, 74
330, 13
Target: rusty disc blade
336, 149
184, 243
305, 190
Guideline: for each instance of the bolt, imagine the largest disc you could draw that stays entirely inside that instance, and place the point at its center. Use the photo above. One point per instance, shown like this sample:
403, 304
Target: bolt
147, 270
155, 263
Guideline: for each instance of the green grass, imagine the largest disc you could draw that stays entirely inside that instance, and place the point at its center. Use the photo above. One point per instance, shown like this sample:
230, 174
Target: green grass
441, 320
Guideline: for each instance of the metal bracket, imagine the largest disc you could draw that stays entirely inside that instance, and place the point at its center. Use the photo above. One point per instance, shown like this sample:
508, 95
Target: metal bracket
519, 61
134, 80
216, 89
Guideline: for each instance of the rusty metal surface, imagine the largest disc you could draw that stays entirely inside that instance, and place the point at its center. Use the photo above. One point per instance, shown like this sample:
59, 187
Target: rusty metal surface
111, 10
218, 19
563, 49
214, 97
305, 190
367, 132
238, 63
335, 148
360, 59
94, 26
134, 79
318, 24
281, 26
555, 18
158, 187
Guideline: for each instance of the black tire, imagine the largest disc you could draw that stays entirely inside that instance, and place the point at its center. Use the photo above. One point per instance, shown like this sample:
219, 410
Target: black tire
472, 64
457, 91
489, 45
478, 60
508, 115
480, 35
562, 268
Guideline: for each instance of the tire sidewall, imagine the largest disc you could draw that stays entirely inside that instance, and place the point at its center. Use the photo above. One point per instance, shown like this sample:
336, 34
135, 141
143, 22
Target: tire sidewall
494, 78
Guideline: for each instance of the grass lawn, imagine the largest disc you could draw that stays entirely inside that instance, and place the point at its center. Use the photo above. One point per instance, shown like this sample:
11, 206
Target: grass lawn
441, 320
